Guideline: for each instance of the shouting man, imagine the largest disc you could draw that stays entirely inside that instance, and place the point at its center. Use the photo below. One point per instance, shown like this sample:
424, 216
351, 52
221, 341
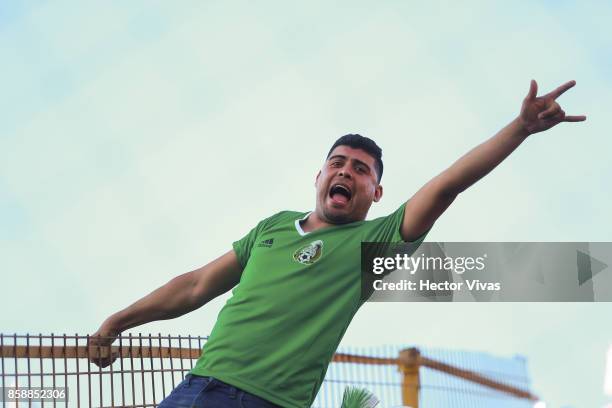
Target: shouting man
297, 275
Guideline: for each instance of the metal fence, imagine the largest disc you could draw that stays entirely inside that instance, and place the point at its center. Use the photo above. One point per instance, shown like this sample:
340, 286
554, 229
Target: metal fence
404, 376
147, 369
149, 366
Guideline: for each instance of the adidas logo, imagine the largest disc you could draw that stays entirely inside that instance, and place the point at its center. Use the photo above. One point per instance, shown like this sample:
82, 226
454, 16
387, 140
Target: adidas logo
266, 243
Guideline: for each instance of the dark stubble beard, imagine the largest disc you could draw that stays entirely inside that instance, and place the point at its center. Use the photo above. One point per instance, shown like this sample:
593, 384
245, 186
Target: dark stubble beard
336, 218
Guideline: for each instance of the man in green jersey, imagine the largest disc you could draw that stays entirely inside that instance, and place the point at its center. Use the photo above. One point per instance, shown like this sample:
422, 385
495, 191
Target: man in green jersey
296, 276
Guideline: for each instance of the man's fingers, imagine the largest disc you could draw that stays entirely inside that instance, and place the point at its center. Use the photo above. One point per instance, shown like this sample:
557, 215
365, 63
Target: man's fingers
554, 109
560, 90
575, 118
98, 362
104, 361
533, 90
100, 351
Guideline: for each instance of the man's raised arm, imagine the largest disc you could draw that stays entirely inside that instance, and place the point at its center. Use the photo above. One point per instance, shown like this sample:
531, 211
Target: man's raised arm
181, 295
537, 114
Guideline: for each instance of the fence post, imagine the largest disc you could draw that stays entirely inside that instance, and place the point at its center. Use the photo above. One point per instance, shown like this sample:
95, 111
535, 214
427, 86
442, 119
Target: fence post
409, 366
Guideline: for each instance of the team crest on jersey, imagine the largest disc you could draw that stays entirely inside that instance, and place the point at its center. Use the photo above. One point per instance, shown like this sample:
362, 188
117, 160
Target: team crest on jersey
310, 253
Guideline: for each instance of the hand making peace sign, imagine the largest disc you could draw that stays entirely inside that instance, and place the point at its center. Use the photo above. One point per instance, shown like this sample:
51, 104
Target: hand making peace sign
543, 112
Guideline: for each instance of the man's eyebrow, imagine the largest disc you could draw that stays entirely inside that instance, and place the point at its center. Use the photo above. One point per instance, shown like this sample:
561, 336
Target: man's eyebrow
339, 156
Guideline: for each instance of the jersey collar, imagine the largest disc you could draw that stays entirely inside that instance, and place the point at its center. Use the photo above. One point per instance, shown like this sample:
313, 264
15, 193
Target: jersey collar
298, 226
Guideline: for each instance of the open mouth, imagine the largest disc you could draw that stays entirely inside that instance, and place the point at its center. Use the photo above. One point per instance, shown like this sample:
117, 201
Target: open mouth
340, 193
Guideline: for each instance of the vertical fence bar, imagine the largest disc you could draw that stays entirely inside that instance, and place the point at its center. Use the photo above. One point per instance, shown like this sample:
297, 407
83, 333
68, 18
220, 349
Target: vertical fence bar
15, 352
171, 360
89, 372
122, 370
132, 371
189, 355
99, 356
409, 360
29, 371
181, 357
387, 374
40, 364
78, 376
53, 365
112, 374
152, 371
2, 367
65, 370
161, 366
142, 374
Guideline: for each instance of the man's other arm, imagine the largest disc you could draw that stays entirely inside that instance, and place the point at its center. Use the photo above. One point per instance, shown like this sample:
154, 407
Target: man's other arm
537, 114
181, 295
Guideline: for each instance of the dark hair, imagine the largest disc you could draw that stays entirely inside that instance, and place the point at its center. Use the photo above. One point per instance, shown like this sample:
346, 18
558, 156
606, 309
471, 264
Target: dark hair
366, 144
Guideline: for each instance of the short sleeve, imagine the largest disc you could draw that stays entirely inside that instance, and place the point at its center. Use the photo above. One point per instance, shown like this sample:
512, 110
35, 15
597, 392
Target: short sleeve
387, 229
243, 246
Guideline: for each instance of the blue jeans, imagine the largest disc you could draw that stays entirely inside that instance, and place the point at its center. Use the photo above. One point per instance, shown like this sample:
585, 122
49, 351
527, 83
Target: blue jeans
208, 392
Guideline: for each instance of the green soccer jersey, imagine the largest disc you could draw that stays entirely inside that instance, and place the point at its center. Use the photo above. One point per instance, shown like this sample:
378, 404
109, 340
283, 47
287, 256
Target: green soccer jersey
297, 295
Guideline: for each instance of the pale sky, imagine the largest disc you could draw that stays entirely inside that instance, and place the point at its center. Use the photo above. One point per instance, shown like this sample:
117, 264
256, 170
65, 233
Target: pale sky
138, 140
